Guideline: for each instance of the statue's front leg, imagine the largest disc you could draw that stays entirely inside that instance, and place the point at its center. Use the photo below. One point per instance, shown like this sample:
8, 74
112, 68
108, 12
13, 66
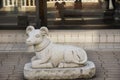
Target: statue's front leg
41, 64
68, 65
33, 58
44, 65
36, 63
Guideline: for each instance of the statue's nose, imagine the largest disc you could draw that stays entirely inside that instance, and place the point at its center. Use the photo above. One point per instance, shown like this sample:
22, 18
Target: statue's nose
28, 40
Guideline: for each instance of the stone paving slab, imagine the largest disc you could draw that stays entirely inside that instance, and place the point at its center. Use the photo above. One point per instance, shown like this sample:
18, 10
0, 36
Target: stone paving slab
12, 64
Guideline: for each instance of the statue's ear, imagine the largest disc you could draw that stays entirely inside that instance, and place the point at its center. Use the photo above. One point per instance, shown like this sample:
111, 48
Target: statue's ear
44, 31
29, 29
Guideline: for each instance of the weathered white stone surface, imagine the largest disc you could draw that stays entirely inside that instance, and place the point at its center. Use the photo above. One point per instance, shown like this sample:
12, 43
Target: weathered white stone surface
86, 71
50, 55
55, 61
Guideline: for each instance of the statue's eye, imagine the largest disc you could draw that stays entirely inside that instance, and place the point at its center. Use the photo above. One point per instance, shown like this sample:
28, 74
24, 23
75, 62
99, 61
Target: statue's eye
37, 35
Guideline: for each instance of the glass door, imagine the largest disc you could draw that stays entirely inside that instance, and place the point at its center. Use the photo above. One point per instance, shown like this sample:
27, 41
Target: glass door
16, 14
82, 14
62, 14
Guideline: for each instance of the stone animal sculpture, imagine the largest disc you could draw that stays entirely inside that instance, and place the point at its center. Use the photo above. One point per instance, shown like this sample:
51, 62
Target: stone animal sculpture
50, 55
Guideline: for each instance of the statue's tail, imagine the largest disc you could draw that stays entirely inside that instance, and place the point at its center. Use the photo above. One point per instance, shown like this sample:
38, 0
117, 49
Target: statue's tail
80, 56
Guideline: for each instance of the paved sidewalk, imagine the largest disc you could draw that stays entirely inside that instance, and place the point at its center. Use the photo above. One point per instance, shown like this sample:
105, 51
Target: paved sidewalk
107, 64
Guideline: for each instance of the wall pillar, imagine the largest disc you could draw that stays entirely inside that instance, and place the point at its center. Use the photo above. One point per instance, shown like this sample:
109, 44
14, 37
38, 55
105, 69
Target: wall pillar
25, 3
4, 3
16, 2
41, 13
13, 2
33, 2
29, 2
8, 3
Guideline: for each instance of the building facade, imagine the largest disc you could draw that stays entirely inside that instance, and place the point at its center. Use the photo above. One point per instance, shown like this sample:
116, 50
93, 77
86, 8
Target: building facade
31, 3
20, 3
24, 5
61, 14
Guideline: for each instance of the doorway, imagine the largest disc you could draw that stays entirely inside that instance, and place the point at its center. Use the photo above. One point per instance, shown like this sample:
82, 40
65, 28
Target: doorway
1, 5
75, 14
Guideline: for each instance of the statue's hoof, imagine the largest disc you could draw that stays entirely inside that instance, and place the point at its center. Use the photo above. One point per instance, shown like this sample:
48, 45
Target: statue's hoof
86, 71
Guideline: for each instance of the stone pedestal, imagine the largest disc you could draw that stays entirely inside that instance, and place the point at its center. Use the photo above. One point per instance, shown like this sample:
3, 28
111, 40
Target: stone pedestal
86, 71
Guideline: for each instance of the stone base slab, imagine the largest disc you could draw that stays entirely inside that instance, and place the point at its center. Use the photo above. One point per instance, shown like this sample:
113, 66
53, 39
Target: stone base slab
87, 71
